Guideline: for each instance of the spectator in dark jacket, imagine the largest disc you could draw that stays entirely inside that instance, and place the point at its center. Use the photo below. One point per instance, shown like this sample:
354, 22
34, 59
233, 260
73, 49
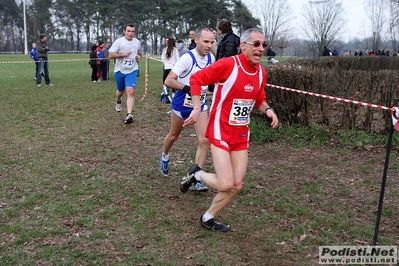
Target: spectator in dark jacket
270, 53
42, 49
94, 63
229, 42
326, 52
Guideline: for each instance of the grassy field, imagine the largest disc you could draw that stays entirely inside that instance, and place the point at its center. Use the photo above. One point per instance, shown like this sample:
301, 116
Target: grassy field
78, 187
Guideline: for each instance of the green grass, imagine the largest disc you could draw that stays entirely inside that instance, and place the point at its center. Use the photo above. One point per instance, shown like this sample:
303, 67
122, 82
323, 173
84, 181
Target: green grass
78, 187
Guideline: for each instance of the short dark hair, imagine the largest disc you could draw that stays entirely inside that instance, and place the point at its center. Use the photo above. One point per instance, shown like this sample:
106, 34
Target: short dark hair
41, 36
128, 25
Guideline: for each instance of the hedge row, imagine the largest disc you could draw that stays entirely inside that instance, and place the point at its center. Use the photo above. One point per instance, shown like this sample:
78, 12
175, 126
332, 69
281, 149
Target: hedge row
366, 79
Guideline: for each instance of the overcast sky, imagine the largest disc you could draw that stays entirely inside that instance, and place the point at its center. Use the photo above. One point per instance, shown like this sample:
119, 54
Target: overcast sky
355, 16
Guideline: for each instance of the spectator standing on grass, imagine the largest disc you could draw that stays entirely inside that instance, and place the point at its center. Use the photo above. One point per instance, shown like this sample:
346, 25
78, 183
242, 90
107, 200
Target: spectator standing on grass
179, 79
165, 46
240, 86
100, 56
33, 54
229, 43
94, 63
126, 51
169, 57
270, 55
105, 62
42, 49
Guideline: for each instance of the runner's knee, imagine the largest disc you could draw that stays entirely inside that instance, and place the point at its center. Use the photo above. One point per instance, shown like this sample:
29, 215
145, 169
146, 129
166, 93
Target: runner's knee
130, 91
202, 141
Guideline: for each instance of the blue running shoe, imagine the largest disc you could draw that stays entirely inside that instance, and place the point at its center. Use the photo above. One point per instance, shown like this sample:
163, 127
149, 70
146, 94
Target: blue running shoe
164, 167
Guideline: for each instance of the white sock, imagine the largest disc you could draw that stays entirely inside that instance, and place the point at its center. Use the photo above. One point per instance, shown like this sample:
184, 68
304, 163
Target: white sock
207, 216
165, 157
197, 175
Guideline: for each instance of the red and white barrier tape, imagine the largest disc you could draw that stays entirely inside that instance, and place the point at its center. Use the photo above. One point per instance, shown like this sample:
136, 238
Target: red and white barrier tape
331, 97
394, 110
59, 60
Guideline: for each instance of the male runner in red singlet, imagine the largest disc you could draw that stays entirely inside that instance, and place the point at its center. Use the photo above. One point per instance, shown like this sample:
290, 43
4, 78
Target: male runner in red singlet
240, 86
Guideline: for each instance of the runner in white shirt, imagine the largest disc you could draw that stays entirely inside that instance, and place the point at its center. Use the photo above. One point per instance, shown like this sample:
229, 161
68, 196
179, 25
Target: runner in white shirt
126, 51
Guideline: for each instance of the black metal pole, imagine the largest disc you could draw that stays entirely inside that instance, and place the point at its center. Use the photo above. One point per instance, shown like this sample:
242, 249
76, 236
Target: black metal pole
384, 180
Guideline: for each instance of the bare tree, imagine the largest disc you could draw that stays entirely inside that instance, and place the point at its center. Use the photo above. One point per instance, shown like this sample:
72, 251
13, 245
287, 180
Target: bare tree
323, 22
376, 12
393, 22
275, 17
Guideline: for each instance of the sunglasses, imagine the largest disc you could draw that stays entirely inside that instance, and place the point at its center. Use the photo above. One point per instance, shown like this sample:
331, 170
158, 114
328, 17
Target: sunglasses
257, 43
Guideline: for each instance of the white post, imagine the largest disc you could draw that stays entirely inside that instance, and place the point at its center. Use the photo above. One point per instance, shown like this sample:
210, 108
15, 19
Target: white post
25, 38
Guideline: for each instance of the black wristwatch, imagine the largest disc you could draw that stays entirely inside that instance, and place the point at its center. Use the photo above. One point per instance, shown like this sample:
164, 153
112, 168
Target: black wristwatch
269, 108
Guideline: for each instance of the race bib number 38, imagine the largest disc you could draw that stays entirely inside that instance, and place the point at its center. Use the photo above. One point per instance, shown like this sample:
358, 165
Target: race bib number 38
240, 111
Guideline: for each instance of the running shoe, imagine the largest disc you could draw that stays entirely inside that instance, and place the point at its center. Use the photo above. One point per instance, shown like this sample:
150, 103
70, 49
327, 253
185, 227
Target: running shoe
129, 119
164, 167
214, 226
199, 186
118, 106
189, 178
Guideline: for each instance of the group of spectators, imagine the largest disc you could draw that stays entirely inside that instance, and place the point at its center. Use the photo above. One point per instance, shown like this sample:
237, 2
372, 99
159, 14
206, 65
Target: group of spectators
99, 61
345, 53
379, 53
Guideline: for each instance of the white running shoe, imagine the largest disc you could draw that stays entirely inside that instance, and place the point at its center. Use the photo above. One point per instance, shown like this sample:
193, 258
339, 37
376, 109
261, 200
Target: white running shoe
118, 107
199, 186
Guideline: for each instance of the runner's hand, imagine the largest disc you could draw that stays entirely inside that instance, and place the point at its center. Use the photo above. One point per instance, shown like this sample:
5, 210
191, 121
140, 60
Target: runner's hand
193, 118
